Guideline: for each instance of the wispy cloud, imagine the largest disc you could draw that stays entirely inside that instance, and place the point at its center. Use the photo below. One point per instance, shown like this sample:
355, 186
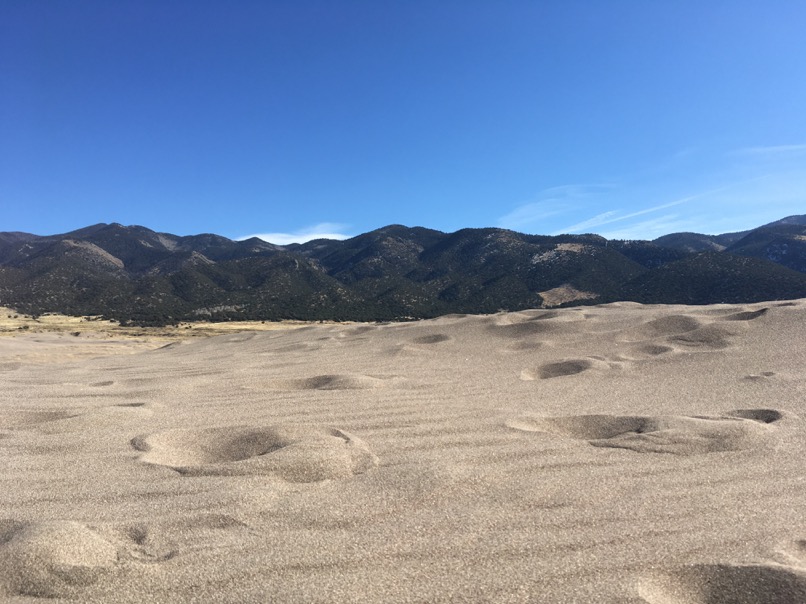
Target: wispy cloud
651, 229
770, 150
643, 229
615, 216
549, 203
323, 230
531, 214
702, 191
591, 223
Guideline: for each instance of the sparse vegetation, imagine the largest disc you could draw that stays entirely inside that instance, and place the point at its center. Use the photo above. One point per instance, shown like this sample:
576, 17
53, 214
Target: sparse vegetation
128, 274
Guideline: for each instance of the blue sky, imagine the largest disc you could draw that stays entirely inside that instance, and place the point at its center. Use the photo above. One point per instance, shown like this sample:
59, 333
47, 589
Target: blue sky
299, 118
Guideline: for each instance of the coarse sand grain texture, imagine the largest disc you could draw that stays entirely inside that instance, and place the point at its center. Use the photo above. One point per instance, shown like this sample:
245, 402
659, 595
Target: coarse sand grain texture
617, 454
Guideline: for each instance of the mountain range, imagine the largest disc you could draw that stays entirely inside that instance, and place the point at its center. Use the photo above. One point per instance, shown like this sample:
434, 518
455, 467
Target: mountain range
138, 276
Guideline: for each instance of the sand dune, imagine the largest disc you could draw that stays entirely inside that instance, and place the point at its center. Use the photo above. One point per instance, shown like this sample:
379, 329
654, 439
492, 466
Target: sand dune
610, 454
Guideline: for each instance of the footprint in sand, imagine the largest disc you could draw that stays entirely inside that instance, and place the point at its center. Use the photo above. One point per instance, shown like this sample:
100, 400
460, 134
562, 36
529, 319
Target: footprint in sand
332, 382
357, 331
563, 368
435, 338
671, 325
726, 584
141, 546
52, 559
525, 346
235, 338
523, 330
755, 377
22, 420
65, 422
654, 350
792, 553
680, 330
748, 315
298, 347
678, 435
709, 337
523, 325
166, 539
293, 453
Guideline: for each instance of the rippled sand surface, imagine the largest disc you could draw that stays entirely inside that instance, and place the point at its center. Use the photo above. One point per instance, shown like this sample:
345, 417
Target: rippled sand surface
615, 454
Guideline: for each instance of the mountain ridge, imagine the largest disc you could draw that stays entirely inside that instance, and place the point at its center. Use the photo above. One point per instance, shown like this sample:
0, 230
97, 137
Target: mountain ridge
137, 275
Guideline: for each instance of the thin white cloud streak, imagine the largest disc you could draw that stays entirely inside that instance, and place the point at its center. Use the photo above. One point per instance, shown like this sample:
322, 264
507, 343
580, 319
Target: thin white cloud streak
651, 229
740, 189
551, 202
612, 216
770, 150
324, 230
531, 213
740, 206
598, 220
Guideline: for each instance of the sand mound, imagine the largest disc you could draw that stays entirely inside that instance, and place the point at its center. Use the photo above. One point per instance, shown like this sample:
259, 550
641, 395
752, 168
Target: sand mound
727, 584
293, 453
677, 435
52, 559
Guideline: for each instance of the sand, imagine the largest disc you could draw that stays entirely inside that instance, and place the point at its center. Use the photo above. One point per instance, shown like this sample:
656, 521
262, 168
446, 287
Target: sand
617, 454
